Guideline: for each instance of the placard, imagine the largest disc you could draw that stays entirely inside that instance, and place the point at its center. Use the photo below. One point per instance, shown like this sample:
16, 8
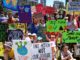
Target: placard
56, 26
71, 37
15, 34
1, 50
10, 4
22, 49
74, 6
25, 14
21, 26
41, 51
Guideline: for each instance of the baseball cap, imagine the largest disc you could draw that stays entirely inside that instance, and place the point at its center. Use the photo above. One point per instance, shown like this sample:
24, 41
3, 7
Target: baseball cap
29, 33
39, 38
34, 34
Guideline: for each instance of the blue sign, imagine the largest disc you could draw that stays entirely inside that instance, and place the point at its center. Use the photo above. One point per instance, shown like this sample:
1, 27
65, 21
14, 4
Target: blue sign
24, 14
10, 4
74, 6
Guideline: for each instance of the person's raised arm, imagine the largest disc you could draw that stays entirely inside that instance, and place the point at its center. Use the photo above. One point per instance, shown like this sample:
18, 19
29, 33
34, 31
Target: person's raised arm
48, 38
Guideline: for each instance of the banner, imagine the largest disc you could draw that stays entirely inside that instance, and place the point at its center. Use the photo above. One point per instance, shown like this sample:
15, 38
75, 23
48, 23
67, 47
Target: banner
41, 51
56, 26
74, 6
15, 34
71, 37
25, 14
1, 50
10, 4
22, 49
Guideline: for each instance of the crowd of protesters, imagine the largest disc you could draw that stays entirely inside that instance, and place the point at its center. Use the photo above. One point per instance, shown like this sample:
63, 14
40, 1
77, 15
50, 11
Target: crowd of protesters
36, 33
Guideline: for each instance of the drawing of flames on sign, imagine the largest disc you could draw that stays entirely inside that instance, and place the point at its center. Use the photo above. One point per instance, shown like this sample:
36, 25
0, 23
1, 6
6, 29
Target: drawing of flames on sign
22, 50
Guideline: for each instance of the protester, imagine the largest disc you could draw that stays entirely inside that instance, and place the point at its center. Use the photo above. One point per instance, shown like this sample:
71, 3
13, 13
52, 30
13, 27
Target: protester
33, 27
66, 54
34, 37
58, 53
28, 37
39, 39
52, 40
11, 19
8, 51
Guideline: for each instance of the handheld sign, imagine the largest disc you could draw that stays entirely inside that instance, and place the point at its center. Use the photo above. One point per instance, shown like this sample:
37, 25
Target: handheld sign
41, 51
22, 49
24, 14
15, 34
1, 49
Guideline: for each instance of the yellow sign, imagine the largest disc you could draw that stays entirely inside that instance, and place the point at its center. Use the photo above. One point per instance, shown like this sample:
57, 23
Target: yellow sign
21, 26
1, 49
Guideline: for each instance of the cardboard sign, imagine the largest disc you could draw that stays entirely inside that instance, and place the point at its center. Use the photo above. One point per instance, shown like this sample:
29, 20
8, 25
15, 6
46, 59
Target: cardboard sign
50, 25
10, 4
71, 37
21, 26
1, 49
15, 34
41, 51
74, 6
25, 14
60, 24
22, 49
55, 26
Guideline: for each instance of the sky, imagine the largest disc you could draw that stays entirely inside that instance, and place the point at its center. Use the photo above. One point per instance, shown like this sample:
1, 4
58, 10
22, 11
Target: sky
50, 2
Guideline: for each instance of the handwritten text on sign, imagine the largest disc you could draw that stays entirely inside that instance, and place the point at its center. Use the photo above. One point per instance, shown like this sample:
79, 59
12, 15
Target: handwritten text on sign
42, 51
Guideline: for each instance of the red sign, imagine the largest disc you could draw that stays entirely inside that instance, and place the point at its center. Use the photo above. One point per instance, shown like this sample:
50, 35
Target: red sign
39, 8
45, 10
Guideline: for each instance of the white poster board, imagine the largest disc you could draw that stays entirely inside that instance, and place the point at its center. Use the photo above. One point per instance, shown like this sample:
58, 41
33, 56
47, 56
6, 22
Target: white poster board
41, 51
22, 49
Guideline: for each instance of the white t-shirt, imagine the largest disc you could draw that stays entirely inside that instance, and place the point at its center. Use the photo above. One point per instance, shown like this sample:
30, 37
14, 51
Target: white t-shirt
53, 44
63, 55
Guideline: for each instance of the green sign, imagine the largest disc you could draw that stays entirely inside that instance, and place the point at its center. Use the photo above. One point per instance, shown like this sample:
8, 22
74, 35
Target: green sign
50, 25
3, 32
71, 37
55, 26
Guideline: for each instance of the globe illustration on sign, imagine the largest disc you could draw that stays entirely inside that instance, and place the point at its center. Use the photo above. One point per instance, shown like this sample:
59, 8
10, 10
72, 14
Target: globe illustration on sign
22, 50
